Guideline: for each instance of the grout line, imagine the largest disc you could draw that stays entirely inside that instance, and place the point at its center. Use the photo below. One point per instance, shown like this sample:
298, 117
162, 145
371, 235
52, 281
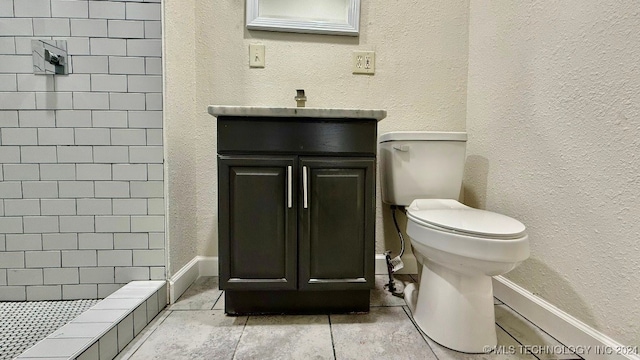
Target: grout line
233, 356
522, 346
518, 341
146, 336
219, 296
422, 335
532, 323
333, 346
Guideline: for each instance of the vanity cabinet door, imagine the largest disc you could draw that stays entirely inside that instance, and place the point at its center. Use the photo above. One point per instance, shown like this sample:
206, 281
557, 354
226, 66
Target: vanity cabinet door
257, 222
337, 223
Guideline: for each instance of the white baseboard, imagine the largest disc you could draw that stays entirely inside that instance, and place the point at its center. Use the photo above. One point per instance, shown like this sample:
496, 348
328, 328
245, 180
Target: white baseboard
409, 260
198, 266
587, 342
181, 280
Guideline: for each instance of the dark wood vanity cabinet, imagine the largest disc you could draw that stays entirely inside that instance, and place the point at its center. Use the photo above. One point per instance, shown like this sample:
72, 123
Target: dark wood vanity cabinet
258, 231
296, 214
336, 236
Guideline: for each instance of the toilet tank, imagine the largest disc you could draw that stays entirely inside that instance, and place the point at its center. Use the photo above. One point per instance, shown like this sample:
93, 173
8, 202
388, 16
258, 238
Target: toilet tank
421, 165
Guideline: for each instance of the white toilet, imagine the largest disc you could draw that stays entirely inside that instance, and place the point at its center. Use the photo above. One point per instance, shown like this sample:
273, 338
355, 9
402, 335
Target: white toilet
459, 248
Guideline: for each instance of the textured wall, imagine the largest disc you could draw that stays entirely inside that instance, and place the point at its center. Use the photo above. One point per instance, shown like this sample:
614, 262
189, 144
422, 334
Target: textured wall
81, 173
421, 72
554, 140
180, 131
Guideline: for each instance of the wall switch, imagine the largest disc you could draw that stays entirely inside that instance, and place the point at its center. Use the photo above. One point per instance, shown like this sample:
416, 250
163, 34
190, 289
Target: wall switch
364, 62
256, 55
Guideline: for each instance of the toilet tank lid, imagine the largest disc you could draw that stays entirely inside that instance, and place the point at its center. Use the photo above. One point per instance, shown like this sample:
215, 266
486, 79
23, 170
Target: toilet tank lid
422, 136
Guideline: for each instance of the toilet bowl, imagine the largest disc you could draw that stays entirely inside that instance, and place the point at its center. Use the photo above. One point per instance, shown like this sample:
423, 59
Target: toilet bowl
458, 248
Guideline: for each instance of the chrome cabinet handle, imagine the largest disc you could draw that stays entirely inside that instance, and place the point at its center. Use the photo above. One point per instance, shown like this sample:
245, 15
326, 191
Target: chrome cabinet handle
304, 187
289, 188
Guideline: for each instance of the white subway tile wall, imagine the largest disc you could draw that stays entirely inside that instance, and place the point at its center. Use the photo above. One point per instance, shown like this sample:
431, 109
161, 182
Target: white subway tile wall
81, 155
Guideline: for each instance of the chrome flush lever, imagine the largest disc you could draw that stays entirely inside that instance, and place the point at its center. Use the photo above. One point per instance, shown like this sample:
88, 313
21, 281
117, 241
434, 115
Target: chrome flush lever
403, 148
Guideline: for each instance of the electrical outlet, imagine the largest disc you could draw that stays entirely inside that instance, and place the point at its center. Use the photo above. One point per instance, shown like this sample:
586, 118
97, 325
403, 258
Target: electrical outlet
256, 55
364, 62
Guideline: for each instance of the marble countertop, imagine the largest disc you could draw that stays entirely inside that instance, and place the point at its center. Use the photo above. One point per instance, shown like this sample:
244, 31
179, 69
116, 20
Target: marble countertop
221, 110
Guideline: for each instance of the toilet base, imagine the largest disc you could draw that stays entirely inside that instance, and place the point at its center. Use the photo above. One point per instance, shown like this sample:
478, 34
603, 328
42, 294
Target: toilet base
453, 309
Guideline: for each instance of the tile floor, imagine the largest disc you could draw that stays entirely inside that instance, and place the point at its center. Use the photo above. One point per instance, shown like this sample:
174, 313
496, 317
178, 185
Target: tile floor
195, 327
107, 327
22, 324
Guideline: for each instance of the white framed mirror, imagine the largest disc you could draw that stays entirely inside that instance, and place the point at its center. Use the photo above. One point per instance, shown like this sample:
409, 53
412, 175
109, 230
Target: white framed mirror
333, 17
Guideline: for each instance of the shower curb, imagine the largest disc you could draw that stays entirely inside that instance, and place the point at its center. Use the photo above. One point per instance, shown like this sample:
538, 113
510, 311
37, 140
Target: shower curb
104, 330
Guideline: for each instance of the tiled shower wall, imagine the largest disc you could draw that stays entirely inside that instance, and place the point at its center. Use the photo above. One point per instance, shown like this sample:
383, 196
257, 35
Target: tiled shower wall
81, 159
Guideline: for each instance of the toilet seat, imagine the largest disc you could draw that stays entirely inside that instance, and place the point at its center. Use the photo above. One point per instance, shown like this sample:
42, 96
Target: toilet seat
451, 216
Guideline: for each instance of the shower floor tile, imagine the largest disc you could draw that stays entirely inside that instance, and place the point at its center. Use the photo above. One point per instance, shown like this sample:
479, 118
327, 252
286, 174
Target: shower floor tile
22, 324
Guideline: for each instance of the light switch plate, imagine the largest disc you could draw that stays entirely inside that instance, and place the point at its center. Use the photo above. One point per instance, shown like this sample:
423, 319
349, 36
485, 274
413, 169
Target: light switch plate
256, 55
364, 62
